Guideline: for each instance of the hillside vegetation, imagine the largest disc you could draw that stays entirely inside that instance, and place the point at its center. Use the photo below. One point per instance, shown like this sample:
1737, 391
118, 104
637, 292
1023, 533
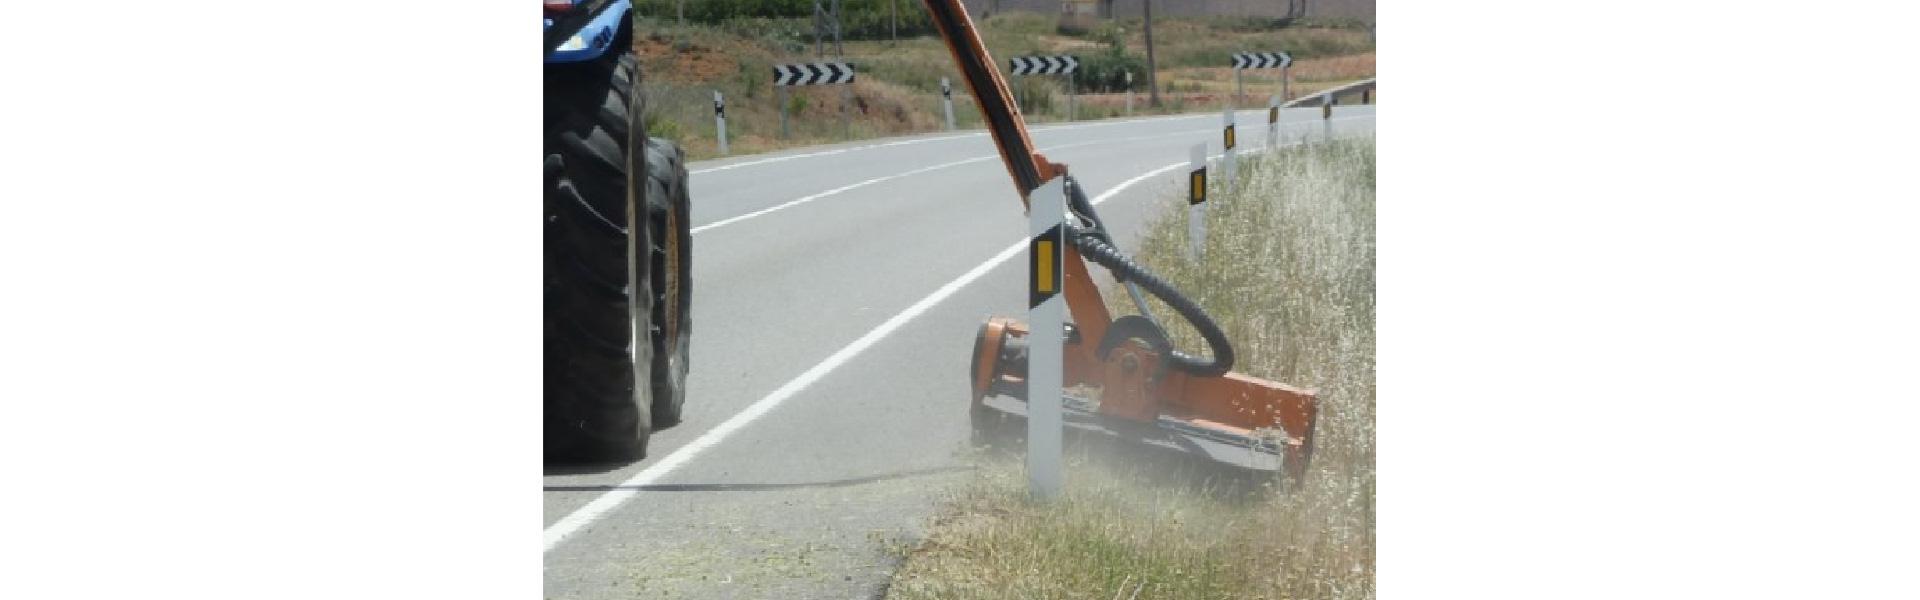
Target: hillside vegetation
897, 88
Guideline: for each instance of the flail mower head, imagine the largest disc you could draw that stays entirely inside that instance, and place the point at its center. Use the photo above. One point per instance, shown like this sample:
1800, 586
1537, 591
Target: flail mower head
1113, 401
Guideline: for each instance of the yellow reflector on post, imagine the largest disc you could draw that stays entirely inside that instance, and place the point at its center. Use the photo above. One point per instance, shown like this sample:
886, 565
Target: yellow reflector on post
1044, 271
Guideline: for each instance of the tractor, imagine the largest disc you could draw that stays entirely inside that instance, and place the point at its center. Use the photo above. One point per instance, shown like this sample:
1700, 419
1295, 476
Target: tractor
616, 245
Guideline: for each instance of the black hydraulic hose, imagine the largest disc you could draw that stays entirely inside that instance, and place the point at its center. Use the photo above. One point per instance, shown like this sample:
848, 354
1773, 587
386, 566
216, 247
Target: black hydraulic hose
1095, 244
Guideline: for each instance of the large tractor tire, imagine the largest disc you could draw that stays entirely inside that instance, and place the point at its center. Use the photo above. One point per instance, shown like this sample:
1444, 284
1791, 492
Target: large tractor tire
599, 300
667, 206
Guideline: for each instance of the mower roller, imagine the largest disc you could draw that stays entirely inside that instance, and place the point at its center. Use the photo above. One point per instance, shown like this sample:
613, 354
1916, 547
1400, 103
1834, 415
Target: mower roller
1124, 380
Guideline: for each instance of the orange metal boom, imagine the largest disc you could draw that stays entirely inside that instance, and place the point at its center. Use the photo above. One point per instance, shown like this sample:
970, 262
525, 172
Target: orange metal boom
1028, 168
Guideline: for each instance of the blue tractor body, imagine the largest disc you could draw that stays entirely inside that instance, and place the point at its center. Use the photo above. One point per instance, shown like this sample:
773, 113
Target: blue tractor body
595, 37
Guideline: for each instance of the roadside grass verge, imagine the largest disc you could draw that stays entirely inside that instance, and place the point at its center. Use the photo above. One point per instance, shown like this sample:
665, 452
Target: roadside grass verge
1289, 276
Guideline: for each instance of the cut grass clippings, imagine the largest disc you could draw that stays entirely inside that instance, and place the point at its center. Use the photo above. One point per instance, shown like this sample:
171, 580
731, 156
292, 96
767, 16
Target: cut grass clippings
1289, 277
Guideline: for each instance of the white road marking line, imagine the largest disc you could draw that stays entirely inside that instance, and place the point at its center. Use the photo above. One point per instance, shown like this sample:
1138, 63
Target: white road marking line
806, 199
832, 152
1106, 122
600, 506
861, 184
1042, 129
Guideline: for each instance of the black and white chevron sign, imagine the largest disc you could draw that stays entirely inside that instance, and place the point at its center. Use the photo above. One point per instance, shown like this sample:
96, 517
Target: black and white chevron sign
1262, 60
813, 74
1044, 65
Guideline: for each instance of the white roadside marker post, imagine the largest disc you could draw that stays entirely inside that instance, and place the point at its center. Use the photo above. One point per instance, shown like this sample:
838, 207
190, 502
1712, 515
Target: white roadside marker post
1273, 121
1129, 93
1227, 139
1196, 204
1046, 216
1326, 115
946, 100
720, 120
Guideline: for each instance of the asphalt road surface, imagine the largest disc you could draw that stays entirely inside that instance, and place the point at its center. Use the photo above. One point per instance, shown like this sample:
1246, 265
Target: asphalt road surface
836, 291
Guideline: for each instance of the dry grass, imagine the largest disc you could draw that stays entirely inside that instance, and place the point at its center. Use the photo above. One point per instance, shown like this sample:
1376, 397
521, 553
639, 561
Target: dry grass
682, 68
1202, 43
1206, 87
1290, 278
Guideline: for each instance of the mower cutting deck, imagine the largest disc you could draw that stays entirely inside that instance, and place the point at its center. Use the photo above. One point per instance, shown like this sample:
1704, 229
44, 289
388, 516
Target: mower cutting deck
1132, 385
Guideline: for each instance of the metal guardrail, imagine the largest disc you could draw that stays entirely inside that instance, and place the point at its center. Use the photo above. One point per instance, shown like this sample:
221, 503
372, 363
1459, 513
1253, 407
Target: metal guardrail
1320, 98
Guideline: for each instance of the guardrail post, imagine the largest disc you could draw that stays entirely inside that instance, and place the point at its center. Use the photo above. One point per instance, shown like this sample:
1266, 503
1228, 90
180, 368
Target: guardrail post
1046, 216
720, 121
946, 101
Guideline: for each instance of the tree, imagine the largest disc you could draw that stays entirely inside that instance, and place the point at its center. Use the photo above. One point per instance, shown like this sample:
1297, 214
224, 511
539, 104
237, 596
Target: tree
1153, 85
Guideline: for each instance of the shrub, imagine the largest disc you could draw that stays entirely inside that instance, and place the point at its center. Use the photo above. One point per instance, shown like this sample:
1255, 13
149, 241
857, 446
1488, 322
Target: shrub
1106, 71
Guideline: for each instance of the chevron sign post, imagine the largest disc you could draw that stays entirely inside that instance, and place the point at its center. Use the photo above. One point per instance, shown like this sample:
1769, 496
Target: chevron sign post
1260, 60
832, 73
1048, 65
1044, 65
820, 73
